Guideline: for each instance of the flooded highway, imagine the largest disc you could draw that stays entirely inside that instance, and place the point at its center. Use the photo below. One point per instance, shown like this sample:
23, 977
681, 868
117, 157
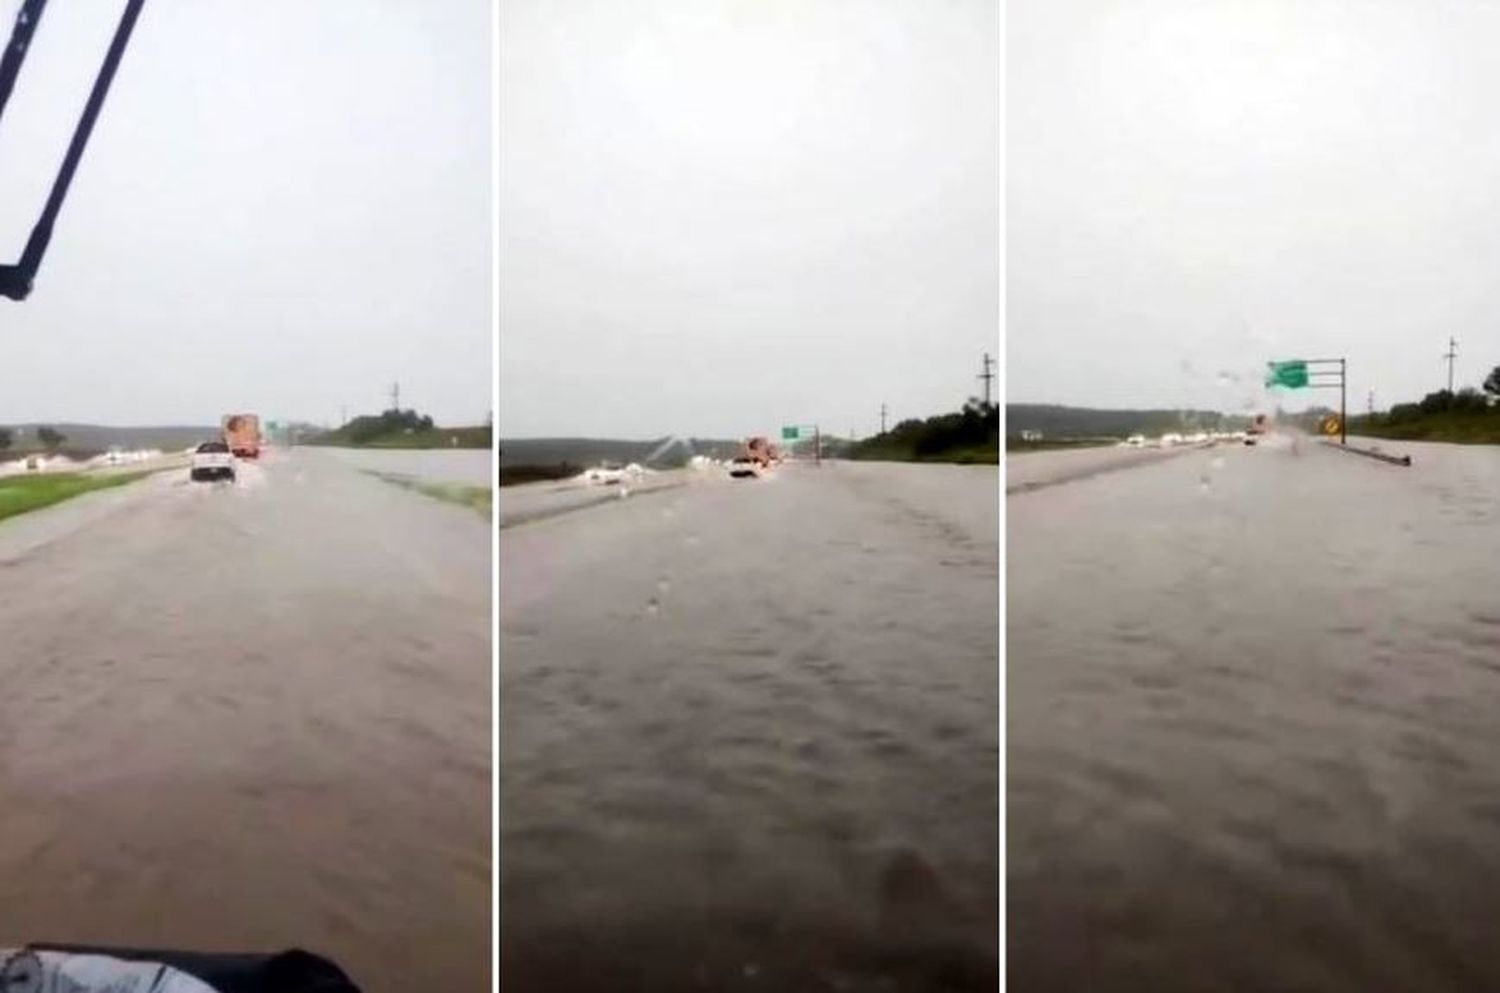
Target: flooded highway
748, 736
251, 717
1252, 739
469, 466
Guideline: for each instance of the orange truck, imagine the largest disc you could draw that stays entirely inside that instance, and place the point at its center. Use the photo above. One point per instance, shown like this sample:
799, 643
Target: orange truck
756, 455
759, 450
242, 435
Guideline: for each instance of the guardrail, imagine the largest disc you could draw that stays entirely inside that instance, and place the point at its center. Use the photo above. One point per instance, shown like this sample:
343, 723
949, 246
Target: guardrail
1369, 453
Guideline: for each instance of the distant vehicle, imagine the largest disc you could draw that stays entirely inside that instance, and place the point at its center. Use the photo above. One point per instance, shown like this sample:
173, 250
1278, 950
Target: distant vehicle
744, 467
1136, 441
1258, 427
1169, 439
755, 458
605, 475
242, 435
212, 460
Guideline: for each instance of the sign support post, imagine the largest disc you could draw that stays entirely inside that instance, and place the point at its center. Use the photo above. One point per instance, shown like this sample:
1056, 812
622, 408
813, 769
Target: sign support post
1315, 374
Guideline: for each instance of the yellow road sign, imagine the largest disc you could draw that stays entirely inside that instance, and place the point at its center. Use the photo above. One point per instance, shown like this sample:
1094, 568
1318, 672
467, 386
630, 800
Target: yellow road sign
1331, 424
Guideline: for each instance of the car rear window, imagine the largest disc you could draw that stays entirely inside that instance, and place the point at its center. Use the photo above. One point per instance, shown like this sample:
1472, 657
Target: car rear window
213, 446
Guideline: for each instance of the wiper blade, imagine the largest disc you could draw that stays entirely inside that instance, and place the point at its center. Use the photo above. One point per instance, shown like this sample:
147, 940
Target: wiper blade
16, 280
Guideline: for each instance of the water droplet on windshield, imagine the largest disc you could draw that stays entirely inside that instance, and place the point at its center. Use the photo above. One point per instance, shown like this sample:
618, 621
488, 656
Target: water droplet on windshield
653, 607
663, 585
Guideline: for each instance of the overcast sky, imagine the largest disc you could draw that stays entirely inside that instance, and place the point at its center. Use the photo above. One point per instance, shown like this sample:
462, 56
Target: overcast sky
285, 206
1195, 188
722, 216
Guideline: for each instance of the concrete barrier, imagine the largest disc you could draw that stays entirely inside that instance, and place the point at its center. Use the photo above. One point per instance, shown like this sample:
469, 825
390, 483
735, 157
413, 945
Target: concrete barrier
1370, 453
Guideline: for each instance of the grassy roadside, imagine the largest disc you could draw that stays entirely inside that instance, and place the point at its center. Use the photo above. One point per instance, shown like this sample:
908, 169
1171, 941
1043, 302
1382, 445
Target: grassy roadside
975, 455
1453, 428
514, 475
480, 499
21, 494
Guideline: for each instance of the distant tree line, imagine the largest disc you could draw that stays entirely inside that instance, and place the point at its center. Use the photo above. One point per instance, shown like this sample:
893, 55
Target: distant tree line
1466, 415
368, 427
1467, 401
50, 437
1056, 421
972, 431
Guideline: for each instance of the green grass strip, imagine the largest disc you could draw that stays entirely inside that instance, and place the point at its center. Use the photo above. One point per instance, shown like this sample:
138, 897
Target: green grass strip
480, 499
21, 494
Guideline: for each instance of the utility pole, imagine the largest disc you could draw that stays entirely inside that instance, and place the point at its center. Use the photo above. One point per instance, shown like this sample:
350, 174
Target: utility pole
883, 411
987, 375
1450, 355
1372, 403
396, 396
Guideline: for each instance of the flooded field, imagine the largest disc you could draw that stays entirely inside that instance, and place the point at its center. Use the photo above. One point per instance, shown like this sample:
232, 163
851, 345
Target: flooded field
749, 736
251, 717
1252, 740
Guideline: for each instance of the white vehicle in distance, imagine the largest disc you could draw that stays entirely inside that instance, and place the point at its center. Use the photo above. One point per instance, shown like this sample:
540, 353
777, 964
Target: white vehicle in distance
1136, 441
744, 467
212, 460
1169, 439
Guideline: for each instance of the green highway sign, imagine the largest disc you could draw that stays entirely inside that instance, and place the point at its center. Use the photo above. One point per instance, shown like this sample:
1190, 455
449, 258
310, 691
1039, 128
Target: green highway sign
1292, 375
788, 434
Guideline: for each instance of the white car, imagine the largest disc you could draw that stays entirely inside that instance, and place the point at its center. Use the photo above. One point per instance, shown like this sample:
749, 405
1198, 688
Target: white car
212, 460
744, 467
1136, 441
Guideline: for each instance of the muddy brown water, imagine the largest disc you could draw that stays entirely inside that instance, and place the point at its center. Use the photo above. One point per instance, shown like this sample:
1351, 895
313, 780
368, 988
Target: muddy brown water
251, 718
1252, 735
749, 736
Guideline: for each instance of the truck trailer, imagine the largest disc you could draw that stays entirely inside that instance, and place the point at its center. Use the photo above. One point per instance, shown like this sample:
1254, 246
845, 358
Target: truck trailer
242, 435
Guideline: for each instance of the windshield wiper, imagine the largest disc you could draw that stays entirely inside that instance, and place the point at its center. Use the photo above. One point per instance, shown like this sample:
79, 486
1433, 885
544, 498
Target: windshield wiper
16, 280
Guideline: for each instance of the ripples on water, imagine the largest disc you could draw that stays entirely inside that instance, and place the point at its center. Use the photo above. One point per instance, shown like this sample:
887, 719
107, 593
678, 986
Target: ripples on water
740, 755
1252, 733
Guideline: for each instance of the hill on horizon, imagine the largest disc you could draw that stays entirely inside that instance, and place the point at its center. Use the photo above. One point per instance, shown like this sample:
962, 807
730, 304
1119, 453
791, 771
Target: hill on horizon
590, 451
101, 437
1059, 421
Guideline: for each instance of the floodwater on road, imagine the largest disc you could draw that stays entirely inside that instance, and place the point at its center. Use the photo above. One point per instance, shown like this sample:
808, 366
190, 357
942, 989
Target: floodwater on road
251, 717
749, 736
533, 501
1252, 739
468, 466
